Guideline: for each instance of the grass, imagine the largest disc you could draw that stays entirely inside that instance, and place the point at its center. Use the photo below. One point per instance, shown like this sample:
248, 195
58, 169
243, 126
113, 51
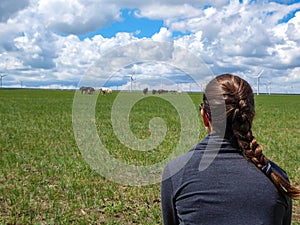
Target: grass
45, 180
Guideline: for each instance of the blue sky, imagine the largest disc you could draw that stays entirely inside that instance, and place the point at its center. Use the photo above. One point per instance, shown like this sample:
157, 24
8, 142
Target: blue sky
130, 23
52, 44
139, 27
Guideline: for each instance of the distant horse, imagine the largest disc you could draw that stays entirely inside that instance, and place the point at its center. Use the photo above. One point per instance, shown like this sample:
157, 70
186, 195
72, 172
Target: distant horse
162, 91
145, 91
105, 91
87, 90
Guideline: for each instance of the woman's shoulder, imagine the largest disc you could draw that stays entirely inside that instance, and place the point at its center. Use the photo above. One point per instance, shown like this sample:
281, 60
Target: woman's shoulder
176, 165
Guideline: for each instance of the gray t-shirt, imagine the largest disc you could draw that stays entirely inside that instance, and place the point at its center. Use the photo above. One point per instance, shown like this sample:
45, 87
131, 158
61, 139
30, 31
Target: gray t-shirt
231, 191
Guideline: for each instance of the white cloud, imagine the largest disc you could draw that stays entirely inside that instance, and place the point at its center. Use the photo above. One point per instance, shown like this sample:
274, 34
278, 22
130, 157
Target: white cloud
242, 36
166, 11
294, 76
8, 32
292, 28
77, 16
286, 49
10, 8
163, 35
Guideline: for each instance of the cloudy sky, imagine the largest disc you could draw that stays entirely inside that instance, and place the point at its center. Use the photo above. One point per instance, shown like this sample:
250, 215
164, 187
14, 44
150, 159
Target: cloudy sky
53, 43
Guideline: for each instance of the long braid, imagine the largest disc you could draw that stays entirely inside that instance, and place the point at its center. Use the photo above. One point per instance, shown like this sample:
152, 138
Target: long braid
240, 112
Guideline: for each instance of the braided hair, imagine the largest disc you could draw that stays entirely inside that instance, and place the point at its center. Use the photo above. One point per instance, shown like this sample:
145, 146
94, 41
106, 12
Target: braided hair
238, 100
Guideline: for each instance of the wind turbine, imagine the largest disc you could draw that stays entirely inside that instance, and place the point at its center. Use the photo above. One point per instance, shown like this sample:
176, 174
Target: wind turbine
257, 80
268, 86
131, 79
21, 83
1, 76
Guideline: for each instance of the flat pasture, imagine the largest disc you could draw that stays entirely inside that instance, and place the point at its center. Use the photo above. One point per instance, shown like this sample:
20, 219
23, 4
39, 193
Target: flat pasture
44, 178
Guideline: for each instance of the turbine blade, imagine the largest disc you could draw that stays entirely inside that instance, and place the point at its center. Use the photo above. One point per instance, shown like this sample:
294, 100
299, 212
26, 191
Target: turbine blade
260, 73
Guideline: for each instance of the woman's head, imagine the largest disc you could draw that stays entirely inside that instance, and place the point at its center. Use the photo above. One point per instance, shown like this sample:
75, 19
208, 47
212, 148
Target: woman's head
233, 96
228, 104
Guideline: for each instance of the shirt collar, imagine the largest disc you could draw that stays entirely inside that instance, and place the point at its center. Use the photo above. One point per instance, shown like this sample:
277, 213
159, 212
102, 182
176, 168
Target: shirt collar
213, 139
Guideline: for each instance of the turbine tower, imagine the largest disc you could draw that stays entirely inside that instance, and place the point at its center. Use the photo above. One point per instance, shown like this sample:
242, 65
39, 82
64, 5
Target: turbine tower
131, 80
1, 76
268, 85
257, 80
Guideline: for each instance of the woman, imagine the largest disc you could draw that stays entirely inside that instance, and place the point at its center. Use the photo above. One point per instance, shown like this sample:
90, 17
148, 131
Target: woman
240, 185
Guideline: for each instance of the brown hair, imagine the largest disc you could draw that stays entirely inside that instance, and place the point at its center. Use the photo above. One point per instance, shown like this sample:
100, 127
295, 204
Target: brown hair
237, 100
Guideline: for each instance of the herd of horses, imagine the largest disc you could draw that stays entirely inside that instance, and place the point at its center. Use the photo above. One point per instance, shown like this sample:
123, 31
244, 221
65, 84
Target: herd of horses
159, 91
105, 91
91, 90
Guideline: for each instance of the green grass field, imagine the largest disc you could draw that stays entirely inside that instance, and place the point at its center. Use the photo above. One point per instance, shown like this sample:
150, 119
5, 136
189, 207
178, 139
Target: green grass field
45, 180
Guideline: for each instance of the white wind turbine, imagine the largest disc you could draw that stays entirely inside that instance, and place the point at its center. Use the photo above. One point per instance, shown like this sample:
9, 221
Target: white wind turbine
268, 87
1, 77
257, 77
131, 79
257, 80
